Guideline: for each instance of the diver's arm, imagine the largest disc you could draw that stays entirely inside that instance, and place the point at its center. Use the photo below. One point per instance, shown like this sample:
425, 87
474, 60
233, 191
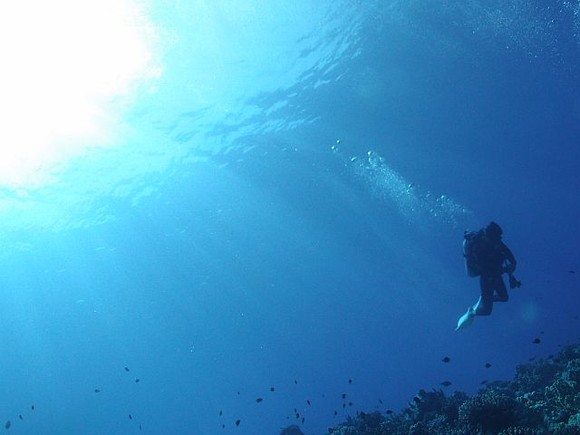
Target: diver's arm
509, 258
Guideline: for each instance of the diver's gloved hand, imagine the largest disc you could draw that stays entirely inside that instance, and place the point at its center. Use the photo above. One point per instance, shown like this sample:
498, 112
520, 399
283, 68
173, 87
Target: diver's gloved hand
514, 283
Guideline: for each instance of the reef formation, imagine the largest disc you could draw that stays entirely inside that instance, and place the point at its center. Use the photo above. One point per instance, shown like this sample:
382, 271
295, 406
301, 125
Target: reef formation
543, 398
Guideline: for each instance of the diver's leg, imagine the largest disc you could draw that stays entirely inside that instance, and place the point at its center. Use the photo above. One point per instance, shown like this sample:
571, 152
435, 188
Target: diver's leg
501, 294
485, 303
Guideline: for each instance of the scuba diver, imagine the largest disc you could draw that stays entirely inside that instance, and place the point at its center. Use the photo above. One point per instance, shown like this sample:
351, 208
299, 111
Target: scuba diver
487, 256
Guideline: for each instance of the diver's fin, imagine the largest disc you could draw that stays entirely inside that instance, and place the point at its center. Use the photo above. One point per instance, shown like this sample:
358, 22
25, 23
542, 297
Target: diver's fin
466, 320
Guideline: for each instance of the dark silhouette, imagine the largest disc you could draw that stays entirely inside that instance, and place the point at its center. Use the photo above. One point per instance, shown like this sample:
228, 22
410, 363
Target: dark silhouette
495, 259
488, 257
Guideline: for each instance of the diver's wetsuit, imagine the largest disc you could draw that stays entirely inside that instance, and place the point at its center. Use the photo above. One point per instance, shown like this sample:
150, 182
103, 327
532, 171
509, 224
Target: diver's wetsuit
493, 289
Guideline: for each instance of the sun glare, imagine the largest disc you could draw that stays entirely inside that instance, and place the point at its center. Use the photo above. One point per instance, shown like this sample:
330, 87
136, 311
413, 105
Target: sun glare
66, 65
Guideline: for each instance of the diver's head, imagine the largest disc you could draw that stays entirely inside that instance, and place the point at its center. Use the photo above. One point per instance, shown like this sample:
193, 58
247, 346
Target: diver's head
493, 231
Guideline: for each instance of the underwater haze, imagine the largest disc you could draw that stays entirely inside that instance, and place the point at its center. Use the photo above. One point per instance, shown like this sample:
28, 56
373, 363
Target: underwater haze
264, 226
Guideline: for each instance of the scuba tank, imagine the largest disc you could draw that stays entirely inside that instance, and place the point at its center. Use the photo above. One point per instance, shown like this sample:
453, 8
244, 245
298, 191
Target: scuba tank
472, 243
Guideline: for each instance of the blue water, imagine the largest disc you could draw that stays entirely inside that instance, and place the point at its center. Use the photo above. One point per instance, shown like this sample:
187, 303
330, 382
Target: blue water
285, 209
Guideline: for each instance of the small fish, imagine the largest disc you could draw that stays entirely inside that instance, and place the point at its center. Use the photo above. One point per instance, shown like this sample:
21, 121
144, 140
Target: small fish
32, 407
126, 369
344, 395
8, 424
238, 422
483, 382
349, 403
295, 382
20, 417
571, 271
487, 365
130, 417
335, 412
445, 383
140, 427
221, 413
259, 399
97, 390
308, 401
350, 381
536, 341
302, 420
380, 401
272, 388
446, 359
137, 380
389, 411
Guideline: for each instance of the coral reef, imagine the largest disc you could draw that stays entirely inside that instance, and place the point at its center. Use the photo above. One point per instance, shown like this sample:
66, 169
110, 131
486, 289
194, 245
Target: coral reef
488, 412
543, 398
